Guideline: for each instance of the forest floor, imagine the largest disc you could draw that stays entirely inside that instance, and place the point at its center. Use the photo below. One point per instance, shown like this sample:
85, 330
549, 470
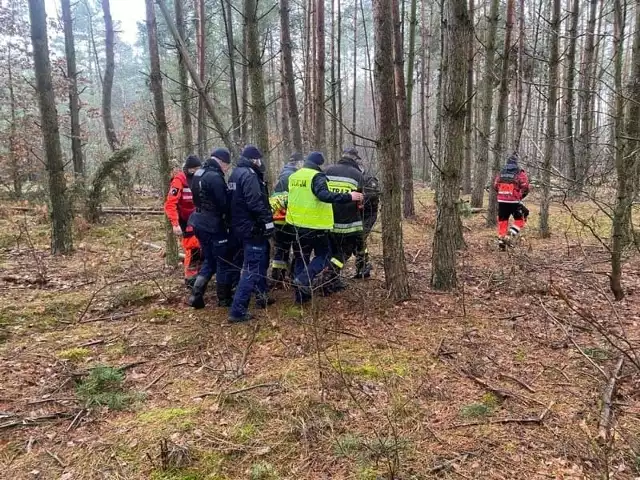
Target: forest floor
502, 379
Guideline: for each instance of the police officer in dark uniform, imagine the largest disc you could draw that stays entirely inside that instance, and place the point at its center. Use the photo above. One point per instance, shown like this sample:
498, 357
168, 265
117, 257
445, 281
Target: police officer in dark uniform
252, 224
210, 224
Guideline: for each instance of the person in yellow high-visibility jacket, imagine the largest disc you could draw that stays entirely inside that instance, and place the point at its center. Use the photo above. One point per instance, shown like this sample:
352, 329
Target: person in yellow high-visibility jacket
310, 213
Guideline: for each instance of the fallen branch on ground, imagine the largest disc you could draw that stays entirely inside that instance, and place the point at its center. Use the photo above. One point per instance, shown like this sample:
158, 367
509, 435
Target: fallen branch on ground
604, 428
30, 421
242, 390
528, 420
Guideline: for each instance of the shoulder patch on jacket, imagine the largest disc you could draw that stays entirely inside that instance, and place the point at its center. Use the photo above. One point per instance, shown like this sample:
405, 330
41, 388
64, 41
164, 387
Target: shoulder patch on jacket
174, 191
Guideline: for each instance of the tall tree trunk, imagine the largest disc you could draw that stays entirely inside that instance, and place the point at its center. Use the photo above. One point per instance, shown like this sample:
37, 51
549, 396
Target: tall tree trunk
195, 78
109, 71
14, 159
284, 111
569, 99
409, 203
627, 144
155, 78
244, 111
60, 208
369, 62
458, 31
488, 82
354, 118
319, 142
289, 78
227, 14
468, 127
425, 73
552, 106
74, 98
437, 131
402, 113
185, 94
334, 87
499, 148
259, 121
395, 267
520, 78
339, 72
201, 48
583, 155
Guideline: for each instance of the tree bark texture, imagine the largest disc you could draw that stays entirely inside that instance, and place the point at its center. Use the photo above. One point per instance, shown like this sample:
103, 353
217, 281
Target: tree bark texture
289, 78
569, 96
319, 129
552, 106
109, 72
402, 114
627, 144
227, 13
155, 78
183, 75
468, 127
74, 97
14, 160
201, 49
458, 30
60, 206
259, 121
488, 82
499, 149
394, 262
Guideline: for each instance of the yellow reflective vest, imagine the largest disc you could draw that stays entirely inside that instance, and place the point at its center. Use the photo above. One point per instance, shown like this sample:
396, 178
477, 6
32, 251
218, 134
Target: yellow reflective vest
304, 209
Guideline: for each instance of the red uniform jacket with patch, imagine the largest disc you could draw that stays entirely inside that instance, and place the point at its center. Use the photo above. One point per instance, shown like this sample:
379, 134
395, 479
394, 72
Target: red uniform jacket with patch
512, 184
179, 204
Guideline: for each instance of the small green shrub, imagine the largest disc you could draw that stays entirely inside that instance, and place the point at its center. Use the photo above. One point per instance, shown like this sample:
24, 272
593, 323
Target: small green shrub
263, 471
475, 410
104, 387
75, 354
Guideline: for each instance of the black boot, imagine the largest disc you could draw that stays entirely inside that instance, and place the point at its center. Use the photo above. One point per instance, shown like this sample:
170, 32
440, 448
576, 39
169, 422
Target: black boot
196, 300
225, 295
263, 301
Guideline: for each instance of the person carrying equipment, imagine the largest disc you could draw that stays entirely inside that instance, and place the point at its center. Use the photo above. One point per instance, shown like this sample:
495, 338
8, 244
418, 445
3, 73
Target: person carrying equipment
210, 224
345, 177
310, 212
252, 224
178, 207
284, 234
370, 216
512, 186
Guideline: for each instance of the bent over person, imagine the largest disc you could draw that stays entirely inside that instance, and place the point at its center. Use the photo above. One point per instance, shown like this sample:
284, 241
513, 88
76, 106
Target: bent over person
310, 212
178, 208
512, 186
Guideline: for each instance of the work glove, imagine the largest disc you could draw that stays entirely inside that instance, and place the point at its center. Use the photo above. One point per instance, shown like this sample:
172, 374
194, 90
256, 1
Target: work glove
177, 231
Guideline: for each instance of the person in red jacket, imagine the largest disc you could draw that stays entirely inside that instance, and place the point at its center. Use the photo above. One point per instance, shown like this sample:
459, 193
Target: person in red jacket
512, 186
179, 207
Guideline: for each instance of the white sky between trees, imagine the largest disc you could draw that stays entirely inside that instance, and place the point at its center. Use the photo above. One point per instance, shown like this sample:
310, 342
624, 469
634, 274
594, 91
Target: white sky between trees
127, 13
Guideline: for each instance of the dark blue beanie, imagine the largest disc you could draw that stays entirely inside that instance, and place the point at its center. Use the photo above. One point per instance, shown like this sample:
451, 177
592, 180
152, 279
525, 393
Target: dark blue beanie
222, 154
251, 152
192, 161
316, 158
513, 159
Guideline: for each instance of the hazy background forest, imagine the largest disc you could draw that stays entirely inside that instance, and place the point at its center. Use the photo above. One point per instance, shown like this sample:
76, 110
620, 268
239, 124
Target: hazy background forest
454, 360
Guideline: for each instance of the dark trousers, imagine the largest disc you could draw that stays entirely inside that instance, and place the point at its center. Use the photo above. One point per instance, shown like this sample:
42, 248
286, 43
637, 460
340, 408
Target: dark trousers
254, 275
214, 248
345, 246
283, 241
362, 253
506, 210
305, 269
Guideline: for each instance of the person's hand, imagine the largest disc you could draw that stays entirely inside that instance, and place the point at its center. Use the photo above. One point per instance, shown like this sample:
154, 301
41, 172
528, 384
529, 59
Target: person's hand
177, 231
356, 197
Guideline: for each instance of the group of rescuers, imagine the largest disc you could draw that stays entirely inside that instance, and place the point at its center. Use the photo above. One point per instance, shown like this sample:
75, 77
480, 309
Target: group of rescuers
317, 219
324, 217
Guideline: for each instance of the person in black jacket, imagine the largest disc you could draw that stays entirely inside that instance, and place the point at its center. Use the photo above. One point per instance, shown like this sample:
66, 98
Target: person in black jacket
370, 216
209, 223
285, 234
252, 224
346, 177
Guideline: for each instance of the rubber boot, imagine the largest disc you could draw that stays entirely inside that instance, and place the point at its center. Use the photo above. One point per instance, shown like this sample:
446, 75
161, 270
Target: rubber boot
225, 295
196, 300
263, 301
245, 318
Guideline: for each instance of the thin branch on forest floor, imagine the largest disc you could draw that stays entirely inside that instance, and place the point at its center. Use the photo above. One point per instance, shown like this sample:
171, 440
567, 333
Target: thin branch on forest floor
500, 392
501, 421
56, 458
241, 390
446, 465
519, 382
604, 428
154, 381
